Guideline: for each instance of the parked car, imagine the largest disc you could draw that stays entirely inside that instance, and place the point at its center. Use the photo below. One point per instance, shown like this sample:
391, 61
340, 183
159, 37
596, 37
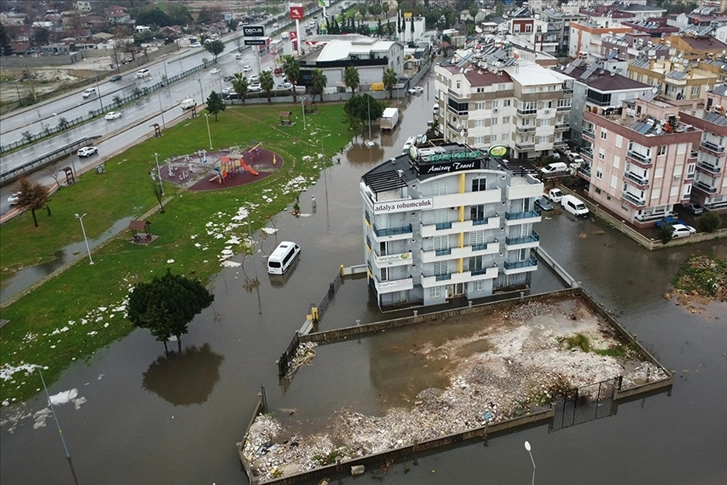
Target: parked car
87, 152
254, 79
278, 70
89, 92
682, 230
115, 77
254, 88
694, 209
214, 70
415, 90
554, 168
14, 198
543, 204
113, 115
554, 195
246, 68
671, 220
228, 78
231, 95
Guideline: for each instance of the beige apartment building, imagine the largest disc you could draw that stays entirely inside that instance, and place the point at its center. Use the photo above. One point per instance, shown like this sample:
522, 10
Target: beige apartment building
641, 159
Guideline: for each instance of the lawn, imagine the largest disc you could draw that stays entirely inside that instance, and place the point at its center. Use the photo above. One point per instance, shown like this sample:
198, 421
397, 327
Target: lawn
73, 315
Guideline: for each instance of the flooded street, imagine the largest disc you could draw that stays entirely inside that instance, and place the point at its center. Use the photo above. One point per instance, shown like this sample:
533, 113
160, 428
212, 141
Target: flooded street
149, 418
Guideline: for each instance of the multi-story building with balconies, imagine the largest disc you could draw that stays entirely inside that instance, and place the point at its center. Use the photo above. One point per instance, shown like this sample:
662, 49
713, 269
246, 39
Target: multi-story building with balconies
447, 222
640, 159
511, 102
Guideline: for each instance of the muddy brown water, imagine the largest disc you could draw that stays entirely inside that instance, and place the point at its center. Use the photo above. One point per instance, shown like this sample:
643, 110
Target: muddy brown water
129, 433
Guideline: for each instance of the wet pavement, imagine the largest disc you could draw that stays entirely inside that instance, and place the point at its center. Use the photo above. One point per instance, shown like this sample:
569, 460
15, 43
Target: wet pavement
149, 418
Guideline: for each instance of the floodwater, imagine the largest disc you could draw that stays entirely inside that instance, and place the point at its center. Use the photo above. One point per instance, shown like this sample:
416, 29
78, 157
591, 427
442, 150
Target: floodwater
27, 277
151, 418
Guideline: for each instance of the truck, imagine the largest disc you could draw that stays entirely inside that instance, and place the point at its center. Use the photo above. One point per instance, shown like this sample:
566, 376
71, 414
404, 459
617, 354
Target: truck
389, 119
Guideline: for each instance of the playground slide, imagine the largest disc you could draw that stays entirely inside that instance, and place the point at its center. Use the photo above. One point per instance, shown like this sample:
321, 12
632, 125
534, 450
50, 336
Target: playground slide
248, 167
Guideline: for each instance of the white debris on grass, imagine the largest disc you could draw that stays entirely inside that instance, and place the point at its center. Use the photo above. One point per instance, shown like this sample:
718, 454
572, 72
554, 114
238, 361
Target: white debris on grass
231, 264
170, 261
7, 371
269, 230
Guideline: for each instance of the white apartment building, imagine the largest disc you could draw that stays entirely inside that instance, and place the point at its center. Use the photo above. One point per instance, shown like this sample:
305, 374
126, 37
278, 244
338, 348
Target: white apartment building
515, 103
447, 222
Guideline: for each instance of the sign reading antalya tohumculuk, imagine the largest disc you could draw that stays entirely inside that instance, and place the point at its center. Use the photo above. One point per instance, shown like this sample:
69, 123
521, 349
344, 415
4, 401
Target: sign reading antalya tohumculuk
402, 205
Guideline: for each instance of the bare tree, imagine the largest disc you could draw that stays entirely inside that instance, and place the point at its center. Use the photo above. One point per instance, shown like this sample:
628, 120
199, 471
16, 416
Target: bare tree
159, 194
54, 172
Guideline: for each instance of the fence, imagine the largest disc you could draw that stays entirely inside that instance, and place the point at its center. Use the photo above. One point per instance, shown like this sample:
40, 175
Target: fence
287, 357
585, 403
63, 125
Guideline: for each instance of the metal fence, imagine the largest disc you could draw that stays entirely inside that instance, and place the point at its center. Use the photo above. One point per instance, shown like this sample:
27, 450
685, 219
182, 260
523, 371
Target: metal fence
287, 357
585, 403
63, 125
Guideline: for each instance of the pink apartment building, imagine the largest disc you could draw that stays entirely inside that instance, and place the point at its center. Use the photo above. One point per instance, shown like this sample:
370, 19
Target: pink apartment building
640, 159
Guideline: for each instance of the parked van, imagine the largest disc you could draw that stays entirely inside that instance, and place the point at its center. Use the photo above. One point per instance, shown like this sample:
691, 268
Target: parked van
283, 257
188, 104
554, 168
554, 195
574, 205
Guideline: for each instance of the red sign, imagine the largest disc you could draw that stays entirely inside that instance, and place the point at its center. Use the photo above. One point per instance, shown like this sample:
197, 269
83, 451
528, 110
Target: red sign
296, 11
293, 36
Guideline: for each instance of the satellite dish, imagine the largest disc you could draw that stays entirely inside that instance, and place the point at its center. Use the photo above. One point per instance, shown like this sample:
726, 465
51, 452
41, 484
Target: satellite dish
655, 90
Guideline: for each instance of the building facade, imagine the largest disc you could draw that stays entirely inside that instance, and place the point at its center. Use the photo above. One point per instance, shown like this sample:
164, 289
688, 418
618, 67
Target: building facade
447, 222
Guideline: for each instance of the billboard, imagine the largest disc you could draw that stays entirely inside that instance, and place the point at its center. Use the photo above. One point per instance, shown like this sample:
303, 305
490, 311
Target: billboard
296, 11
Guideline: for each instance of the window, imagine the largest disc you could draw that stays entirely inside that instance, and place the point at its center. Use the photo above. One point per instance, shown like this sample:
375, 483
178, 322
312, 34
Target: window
493, 121
545, 122
604, 134
599, 174
543, 139
479, 140
479, 123
480, 105
478, 286
695, 91
505, 120
614, 181
619, 140
493, 137
477, 213
479, 184
616, 161
690, 170
528, 28
435, 292
601, 154
501, 87
506, 102
495, 104
655, 193
662, 150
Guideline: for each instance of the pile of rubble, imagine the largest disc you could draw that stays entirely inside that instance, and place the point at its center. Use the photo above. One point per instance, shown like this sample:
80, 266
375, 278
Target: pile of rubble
527, 363
701, 281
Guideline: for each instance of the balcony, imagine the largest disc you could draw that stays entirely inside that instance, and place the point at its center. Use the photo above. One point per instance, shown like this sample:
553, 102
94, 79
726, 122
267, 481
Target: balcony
457, 253
522, 242
638, 158
524, 129
712, 147
524, 145
484, 273
527, 217
632, 199
636, 180
563, 108
393, 232
391, 260
527, 111
447, 228
709, 169
530, 264
449, 278
390, 286
562, 126
589, 135
584, 171
587, 154
699, 185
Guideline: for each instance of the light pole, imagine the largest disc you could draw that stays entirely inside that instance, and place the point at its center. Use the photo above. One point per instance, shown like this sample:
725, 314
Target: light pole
302, 107
98, 90
83, 229
55, 418
159, 173
161, 110
209, 134
527, 447
368, 106
200, 89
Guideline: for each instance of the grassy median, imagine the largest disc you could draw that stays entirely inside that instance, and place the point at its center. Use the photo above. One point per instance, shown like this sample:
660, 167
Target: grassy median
73, 315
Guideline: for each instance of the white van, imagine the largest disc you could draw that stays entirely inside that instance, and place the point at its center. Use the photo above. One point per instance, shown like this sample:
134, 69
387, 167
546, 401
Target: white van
142, 73
188, 104
283, 256
574, 205
554, 168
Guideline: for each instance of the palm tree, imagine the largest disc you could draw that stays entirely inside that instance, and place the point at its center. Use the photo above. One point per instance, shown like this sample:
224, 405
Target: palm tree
351, 79
267, 83
320, 81
390, 79
291, 69
240, 85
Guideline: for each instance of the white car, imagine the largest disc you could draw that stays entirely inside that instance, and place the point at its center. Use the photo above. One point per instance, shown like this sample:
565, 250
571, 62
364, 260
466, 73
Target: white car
415, 90
275, 26
246, 68
113, 115
254, 79
269, 69
286, 86
89, 92
682, 230
87, 151
195, 44
14, 198
215, 71
254, 88
142, 73
238, 56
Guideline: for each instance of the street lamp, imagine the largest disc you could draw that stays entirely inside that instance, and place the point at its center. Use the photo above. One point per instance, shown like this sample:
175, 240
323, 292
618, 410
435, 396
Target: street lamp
527, 447
209, 134
200, 89
159, 173
83, 229
302, 107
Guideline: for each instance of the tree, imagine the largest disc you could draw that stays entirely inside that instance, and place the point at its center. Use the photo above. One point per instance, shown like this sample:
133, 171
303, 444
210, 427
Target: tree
232, 25
267, 83
362, 9
63, 124
5, 48
291, 69
499, 8
159, 194
33, 196
209, 15
240, 85
390, 79
53, 171
215, 104
215, 47
709, 222
154, 17
351, 79
665, 232
320, 81
41, 36
166, 305
362, 109
473, 11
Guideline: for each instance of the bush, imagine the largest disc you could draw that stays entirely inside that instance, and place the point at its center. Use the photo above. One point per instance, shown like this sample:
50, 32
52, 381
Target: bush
709, 222
665, 232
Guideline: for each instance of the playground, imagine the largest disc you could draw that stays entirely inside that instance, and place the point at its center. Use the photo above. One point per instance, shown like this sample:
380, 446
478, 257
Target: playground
214, 170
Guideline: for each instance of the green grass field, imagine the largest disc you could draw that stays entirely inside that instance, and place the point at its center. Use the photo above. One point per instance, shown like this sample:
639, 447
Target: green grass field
73, 315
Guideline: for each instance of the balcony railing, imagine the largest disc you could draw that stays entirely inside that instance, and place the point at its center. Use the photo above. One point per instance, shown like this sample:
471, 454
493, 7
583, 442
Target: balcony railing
479, 271
698, 184
709, 167
480, 222
512, 241
528, 111
524, 129
562, 126
712, 147
392, 231
522, 145
587, 153
563, 108
443, 277
532, 261
633, 199
442, 226
641, 182
443, 252
511, 216
638, 157
585, 171
589, 134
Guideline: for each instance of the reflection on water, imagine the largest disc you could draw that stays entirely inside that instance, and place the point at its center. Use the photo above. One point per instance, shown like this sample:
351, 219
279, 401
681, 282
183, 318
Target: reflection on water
186, 378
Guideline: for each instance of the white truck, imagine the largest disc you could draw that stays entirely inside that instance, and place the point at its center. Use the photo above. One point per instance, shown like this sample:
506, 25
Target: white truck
389, 119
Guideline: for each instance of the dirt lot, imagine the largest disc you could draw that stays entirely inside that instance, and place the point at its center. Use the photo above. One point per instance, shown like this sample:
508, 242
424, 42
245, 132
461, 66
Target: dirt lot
506, 364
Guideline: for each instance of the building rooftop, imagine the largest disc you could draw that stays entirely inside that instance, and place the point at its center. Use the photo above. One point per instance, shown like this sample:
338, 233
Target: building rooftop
479, 77
704, 43
601, 79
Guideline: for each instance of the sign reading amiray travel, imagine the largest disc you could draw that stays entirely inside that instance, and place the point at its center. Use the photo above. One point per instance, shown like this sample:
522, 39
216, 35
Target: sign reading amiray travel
402, 205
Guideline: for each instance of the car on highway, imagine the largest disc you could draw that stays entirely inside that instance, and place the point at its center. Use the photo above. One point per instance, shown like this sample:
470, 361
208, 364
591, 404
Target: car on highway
286, 86
228, 78
278, 71
254, 79
215, 71
195, 44
543, 204
275, 26
87, 151
238, 56
682, 230
254, 88
246, 68
14, 198
415, 90
115, 77
113, 115
142, 73
89, 92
